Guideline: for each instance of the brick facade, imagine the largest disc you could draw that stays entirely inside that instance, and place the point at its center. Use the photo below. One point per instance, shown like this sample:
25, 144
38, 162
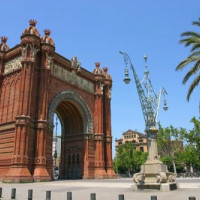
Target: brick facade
36, 82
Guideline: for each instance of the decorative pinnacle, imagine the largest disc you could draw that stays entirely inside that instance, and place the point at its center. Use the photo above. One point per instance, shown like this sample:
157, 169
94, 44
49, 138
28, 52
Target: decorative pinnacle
4, 39
47, 32
97, 64
32, 22
105, 69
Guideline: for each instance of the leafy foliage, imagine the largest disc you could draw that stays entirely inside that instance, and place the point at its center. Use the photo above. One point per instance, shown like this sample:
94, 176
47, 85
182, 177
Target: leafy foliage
170, 143
170, 140
193, 136
191, 153
139, 159
127, 159
191, 39
170, 147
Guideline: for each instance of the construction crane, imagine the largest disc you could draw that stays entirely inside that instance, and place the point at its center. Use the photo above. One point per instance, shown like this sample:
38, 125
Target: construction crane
149, 100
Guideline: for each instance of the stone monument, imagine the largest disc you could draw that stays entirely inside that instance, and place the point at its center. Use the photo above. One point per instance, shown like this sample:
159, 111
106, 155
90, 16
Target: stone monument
153, 174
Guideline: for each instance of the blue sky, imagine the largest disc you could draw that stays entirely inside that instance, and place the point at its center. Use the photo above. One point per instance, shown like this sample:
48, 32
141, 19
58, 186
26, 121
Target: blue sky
96, 30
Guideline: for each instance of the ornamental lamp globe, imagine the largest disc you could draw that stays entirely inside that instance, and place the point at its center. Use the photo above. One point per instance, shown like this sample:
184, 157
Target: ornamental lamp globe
127, 79
165, 107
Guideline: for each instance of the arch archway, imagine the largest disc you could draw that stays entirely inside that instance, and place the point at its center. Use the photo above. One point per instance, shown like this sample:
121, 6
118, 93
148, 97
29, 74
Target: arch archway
76, 123
50, 83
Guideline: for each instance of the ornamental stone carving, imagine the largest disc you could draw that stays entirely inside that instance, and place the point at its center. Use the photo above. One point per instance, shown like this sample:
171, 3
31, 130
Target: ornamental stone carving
138, 178
72, 78
24, 51
110, 93
75, 63
49, 61
13, 65
33, 51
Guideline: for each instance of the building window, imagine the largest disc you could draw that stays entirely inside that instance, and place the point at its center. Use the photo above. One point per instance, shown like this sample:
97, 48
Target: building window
140, 140
119, 143
142, 149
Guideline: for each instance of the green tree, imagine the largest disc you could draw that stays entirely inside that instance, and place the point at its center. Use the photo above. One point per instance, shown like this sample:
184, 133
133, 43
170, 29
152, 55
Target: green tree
192, 137
192, 149
124, 159
170, 142
139, 159
127, 159
191, 157
191, 39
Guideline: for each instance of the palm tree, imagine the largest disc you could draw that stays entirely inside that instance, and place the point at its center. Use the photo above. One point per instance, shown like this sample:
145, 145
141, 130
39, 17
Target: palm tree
191, 39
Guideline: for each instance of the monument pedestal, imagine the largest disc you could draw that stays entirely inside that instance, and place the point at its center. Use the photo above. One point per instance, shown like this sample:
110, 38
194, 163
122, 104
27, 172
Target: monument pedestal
154, 174
164, 187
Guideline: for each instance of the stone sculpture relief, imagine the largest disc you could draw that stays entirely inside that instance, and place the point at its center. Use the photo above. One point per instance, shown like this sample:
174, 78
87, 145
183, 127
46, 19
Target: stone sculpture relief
13, 65
33, 52
72, 78
49, 61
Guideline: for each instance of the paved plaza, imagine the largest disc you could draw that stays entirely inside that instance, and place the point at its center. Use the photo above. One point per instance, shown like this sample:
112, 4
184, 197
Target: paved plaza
104, 189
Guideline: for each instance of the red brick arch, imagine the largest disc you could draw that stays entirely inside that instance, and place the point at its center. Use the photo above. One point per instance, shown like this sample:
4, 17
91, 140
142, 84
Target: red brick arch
35, 82
77, 124
80, 103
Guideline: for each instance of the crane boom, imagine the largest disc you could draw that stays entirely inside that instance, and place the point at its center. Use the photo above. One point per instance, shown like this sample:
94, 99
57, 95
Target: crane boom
150, 101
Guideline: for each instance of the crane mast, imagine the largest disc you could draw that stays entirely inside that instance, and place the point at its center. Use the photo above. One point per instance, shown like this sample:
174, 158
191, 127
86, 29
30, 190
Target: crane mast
149, 100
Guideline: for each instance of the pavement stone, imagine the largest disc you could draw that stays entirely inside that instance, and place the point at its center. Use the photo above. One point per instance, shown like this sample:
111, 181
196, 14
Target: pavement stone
104, 189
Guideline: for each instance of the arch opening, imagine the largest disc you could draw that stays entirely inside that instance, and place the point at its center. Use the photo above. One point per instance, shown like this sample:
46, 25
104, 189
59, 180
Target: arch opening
74, 120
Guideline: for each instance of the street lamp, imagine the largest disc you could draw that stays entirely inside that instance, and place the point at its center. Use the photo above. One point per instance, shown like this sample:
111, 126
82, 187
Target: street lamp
55, 140
165, 107
127, 79
153, 171
150, 101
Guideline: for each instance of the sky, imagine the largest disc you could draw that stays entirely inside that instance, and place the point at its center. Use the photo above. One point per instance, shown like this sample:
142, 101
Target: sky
95, 31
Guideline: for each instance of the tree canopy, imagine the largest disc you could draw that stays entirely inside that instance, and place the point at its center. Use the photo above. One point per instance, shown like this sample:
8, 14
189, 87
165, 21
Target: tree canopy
127, 159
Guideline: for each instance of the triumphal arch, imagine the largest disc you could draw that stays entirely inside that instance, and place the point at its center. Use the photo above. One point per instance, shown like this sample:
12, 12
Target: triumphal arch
35, 83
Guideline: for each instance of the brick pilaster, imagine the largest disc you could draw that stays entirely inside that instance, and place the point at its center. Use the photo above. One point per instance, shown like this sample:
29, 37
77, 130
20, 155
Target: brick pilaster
107, 124
40, 171
20, 171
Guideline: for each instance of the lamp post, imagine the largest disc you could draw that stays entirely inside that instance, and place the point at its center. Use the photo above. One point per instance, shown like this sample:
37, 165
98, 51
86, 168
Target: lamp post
55, 140
153, 173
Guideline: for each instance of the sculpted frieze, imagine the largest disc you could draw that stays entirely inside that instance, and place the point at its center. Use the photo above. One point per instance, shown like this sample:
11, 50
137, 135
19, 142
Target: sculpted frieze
72, 78
13, 65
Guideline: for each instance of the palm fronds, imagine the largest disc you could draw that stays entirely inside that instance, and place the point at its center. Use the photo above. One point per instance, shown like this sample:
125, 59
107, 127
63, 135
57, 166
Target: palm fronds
192, 71
194, 84
191, 39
